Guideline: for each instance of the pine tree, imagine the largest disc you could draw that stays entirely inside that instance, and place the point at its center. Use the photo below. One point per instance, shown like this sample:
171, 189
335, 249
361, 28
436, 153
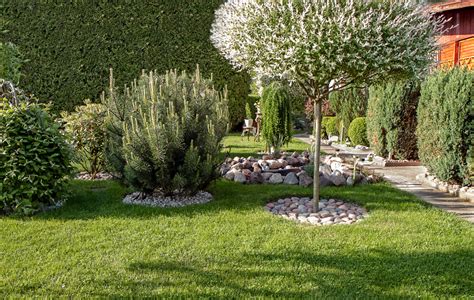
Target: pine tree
166, 131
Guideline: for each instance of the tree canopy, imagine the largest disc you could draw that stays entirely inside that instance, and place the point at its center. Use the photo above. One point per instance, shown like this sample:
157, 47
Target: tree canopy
327, 44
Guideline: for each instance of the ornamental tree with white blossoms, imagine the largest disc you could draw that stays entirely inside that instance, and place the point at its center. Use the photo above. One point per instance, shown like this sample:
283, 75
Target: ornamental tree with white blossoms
327, 45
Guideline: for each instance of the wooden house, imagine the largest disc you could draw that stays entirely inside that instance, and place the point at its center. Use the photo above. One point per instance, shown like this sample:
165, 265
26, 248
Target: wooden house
457, 44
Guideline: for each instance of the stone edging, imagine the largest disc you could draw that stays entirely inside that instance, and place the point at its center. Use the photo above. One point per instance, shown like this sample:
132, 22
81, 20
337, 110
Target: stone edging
464, 193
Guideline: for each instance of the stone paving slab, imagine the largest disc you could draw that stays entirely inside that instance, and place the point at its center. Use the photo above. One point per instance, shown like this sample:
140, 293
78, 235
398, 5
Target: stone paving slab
404, 178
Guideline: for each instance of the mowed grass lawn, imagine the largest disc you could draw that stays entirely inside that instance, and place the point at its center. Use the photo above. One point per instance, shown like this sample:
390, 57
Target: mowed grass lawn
97, 246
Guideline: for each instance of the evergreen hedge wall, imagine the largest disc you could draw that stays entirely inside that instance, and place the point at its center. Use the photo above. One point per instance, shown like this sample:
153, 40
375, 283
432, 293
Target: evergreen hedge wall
72, 44
391, 119
445, 122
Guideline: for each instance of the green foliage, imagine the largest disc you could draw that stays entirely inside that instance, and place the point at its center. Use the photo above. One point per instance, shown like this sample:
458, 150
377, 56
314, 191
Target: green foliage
248, 111
34, 159
358, 132
445, 123
10, 62
324, 123
330, 125
165, 132
276, 127
71, 46
86, 128
391, 119
348, 105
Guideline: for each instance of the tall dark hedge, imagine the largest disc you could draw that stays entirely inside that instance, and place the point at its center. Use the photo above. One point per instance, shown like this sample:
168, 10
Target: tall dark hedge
70, 46
445, 123
391, 119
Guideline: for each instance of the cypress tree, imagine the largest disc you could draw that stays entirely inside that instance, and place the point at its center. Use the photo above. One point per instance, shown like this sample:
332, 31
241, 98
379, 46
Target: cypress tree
276, 127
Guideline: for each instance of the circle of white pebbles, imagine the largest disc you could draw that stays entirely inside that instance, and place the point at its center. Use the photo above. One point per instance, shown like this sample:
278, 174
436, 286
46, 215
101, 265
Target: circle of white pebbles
330, 211
200, 197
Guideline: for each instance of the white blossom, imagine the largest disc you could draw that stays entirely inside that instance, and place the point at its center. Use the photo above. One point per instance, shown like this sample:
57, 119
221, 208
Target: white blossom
314, 42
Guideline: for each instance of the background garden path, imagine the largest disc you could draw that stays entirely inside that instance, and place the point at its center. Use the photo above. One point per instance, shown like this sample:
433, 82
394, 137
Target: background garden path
404, 178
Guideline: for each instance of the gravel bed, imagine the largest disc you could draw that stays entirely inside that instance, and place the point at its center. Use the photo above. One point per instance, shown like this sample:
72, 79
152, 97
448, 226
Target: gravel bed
99, 176
159, 201
330, 212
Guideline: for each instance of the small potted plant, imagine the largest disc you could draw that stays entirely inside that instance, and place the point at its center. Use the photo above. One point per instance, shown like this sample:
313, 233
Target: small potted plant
248, 114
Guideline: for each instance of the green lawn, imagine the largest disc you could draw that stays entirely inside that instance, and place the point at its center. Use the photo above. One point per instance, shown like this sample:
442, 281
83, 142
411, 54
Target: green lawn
96, 246
241, 147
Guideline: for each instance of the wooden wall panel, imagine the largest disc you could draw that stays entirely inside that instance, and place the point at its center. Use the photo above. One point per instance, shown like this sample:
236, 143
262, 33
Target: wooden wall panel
466, 48
447, 52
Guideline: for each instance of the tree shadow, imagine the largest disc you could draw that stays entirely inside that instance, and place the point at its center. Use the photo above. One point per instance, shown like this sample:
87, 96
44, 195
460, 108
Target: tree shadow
368, 274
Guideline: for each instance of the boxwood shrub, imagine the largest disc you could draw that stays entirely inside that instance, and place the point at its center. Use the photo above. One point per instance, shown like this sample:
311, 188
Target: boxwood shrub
358, 132
445, 122
330, 125
34, 158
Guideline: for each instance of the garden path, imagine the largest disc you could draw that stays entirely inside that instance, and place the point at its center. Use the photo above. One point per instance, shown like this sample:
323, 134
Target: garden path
404, 178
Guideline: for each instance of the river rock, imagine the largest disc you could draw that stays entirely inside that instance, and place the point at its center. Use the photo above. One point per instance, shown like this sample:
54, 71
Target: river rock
338, 179
229, 175
266, 176
274, 164
325, 181
304, 179
239, 177
291, 179
350, 181
246, 172
276, 178
256, 178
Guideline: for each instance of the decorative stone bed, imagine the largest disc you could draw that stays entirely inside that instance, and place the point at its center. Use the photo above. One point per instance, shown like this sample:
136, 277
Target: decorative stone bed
456, 190
160, 201
290, 169
331, 211
99, 176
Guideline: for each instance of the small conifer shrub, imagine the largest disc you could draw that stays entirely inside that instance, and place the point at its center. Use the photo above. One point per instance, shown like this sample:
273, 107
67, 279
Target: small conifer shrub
445, 122
276, 128
164, 132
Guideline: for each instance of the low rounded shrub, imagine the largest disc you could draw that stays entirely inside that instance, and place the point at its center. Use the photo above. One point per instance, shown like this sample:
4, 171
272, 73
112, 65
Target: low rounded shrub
331, 124
164, 132
358, 132
87, 132
34, 158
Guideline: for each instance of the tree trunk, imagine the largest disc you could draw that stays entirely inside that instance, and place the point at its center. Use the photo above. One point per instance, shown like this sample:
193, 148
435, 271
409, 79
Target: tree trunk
317, 152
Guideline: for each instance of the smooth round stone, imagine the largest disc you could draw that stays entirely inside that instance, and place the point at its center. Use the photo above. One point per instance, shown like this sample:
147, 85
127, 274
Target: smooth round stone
301, 210
302, 219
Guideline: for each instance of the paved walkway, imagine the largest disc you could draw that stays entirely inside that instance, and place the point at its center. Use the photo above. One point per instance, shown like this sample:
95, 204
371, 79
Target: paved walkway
404, 178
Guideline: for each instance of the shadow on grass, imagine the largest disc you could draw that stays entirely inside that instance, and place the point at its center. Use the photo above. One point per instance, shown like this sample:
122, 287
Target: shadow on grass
91, 200
340, 275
